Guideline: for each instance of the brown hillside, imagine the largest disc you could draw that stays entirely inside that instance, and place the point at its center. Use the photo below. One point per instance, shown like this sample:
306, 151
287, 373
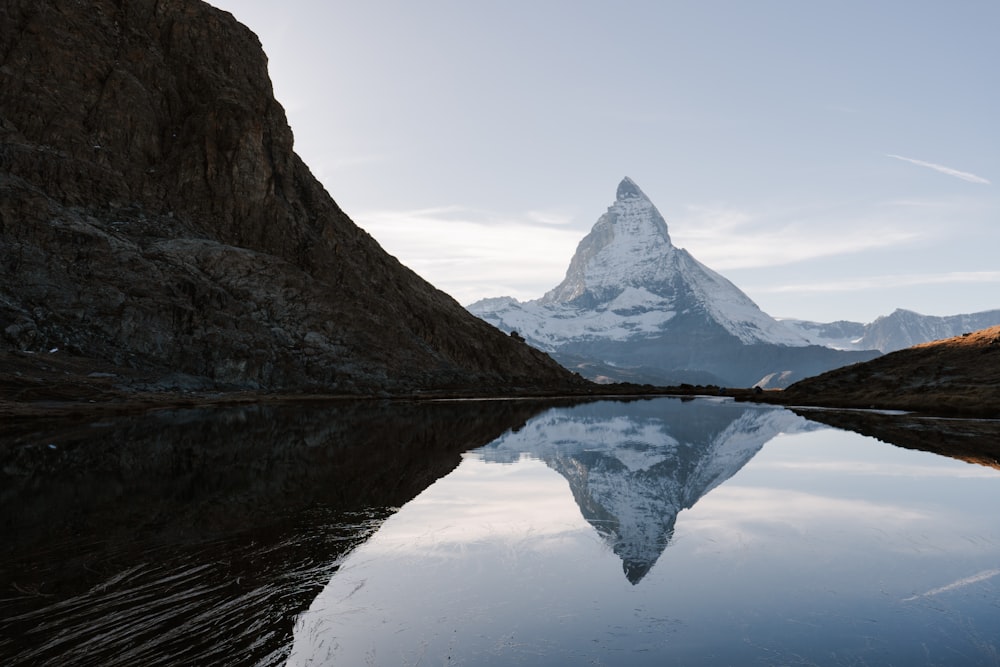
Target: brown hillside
959, 375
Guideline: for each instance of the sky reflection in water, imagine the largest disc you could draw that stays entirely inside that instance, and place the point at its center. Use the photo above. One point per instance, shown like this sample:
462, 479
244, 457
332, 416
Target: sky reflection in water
556, 544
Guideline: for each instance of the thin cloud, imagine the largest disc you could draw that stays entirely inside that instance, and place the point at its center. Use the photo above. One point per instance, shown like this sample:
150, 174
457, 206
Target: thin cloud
726, 239
881, 282
964, 175
556, 218
350, 161
471, 254
961, 583
880, 470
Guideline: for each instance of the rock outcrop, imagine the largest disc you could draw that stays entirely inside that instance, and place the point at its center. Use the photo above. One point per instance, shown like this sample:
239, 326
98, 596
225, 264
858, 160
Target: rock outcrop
154, 215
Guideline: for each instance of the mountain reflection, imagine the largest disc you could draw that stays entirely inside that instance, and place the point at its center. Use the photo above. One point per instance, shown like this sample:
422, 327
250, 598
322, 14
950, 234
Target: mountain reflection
632, 471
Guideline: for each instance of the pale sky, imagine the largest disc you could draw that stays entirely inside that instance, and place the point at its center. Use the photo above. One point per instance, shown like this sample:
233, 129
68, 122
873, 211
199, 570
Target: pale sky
835, 159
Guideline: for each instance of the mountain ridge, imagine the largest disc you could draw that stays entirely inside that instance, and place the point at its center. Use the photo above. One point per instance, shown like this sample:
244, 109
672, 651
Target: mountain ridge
898, 330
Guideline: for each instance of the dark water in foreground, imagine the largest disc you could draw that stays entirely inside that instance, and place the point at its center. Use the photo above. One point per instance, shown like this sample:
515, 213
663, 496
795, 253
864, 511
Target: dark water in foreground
659, 532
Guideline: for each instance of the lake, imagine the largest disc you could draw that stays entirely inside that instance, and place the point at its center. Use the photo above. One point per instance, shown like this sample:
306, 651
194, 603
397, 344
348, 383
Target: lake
643, 532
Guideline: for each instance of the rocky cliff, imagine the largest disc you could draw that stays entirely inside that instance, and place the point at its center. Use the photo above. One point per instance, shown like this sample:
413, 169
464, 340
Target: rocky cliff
154, 215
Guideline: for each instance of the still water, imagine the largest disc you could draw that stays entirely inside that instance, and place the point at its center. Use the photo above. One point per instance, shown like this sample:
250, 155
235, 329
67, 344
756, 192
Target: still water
653, 532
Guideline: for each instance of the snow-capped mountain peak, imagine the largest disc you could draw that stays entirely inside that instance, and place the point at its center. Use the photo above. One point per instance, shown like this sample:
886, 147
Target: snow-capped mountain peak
635, 308
627, 246
627, 189
627, 281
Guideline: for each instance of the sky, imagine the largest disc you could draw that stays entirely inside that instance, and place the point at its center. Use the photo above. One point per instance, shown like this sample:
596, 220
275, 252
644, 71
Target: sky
835, 159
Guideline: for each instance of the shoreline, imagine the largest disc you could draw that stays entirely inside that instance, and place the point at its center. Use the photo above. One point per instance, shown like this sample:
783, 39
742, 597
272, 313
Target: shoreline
68, 404
59, 385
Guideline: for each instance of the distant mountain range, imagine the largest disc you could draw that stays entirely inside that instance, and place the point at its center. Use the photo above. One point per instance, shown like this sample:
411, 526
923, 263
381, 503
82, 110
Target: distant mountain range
897, 331
633, 307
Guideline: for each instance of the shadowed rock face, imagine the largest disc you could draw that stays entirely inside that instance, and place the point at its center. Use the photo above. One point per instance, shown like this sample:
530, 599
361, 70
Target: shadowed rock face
153, 214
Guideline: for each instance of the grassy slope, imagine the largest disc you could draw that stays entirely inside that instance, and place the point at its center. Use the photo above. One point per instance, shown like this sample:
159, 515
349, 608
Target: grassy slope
959, 376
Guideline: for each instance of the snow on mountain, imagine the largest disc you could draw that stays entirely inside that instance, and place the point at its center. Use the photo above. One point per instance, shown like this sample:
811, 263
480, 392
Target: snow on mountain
635, 308
632, 473
896, 331
628, 281
905, 328
840, 335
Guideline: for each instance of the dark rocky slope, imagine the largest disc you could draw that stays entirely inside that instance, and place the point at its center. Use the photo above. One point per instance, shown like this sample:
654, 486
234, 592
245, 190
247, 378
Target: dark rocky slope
154, 216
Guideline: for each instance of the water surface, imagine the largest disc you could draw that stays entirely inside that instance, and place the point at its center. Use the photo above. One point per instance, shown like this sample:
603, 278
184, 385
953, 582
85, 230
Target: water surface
650, 532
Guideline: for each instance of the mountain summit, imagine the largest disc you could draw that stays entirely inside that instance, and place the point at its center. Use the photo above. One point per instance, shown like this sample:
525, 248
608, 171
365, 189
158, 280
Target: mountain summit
635, 307
625, 248
627, 265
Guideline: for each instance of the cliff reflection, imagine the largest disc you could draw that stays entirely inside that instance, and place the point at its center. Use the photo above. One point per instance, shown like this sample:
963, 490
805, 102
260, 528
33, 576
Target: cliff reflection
972, 440
196, 536
631, 472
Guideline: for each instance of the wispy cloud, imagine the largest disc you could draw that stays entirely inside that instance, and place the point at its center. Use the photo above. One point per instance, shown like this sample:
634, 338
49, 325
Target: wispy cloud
891, 281
961, 583
878, 469
727, 238
964, 175
472, 253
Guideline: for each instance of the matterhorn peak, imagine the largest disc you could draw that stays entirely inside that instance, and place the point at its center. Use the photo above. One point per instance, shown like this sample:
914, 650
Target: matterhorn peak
627, 246
627, 189
628, 283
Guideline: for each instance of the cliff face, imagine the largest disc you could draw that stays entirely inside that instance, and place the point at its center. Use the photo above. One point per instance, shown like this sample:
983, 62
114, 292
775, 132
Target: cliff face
153, 214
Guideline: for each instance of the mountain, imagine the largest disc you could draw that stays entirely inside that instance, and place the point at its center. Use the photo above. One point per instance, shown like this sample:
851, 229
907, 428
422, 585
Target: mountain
897, 331
954, 376
633, 303
632, 474
155, 218
839, 335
